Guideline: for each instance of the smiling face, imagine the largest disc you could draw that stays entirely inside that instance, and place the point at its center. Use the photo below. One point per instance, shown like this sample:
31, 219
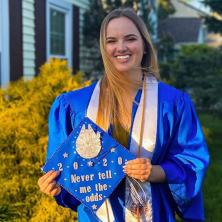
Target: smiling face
124, 45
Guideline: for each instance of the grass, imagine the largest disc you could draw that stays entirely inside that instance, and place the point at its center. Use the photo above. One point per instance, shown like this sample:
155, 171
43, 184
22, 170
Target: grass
212, 187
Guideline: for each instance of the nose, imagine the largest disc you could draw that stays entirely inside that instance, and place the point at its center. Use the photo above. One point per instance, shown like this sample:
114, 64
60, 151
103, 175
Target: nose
121, 46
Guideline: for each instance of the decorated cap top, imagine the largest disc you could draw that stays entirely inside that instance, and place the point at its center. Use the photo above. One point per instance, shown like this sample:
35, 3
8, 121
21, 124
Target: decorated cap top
90, 164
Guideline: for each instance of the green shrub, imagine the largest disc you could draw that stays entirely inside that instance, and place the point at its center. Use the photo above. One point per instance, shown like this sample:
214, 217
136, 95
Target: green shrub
198, 70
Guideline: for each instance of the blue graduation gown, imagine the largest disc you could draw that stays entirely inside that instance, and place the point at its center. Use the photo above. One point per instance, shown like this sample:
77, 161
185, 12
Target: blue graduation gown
180, 150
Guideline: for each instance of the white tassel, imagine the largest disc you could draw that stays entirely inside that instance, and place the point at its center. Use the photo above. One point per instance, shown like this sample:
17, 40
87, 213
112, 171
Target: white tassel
133, 192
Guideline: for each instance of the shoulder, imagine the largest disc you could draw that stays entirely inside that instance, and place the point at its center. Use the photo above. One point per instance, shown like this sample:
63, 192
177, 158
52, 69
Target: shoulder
82, 93
77, 100
169, 93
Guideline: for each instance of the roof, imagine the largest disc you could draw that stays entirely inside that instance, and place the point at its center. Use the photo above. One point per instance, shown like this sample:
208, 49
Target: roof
183, 30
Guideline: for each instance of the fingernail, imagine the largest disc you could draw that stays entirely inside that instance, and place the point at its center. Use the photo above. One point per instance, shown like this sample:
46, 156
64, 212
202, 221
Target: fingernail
58, 172
124, 166
126, 162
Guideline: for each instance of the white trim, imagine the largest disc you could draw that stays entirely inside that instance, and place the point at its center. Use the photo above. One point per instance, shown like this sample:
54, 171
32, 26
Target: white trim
148, 145
67, 9
84, 4
94, 103
200, 38
4, 42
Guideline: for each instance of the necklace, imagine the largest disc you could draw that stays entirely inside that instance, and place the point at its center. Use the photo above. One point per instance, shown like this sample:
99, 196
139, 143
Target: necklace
139, 209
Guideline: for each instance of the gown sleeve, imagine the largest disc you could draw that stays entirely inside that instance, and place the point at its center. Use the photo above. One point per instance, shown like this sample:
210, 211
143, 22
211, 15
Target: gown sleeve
186, 160
59, 128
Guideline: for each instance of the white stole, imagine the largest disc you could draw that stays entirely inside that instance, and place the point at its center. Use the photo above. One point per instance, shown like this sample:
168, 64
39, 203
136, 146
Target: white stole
148, 144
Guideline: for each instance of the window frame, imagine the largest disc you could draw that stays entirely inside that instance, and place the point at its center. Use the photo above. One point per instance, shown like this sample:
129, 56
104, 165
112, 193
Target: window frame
4, 43
65, 8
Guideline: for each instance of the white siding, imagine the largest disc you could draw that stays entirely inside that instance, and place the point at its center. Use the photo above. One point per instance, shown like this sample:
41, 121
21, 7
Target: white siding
29, 37
28, 14
29, 5
82, 4
28, 23
28, 55
28, 47
28, 31
29, 1
29, 70
183, 10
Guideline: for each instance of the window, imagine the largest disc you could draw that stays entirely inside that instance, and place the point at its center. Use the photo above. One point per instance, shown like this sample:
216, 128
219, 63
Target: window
57, 33
59, 30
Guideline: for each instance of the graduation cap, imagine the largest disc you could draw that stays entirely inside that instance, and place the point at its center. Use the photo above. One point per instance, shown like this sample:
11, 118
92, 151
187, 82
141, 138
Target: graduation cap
90, 164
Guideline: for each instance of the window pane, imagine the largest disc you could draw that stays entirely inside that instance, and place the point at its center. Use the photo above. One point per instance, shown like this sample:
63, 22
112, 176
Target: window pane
57, 32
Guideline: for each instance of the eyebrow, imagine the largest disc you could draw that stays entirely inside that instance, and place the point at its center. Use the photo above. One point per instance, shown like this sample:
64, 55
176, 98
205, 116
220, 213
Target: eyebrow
130, 35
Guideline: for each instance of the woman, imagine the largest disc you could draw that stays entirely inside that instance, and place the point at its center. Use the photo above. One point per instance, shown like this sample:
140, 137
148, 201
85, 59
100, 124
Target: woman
154, 121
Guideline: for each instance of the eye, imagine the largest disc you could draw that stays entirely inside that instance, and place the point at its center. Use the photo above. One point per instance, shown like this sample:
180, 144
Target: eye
131, 39
110, 41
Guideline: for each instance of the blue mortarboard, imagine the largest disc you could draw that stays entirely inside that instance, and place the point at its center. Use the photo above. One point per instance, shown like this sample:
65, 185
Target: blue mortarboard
91, 164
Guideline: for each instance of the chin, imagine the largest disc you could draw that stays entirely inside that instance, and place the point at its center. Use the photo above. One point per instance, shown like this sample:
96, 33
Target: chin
124, 69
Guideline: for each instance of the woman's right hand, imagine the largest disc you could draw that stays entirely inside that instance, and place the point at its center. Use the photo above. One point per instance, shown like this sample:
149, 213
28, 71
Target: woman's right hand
48, 185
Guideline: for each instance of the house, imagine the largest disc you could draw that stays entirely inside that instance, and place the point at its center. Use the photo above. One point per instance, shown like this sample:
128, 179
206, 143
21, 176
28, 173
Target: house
32, 31
186, 26
183, 30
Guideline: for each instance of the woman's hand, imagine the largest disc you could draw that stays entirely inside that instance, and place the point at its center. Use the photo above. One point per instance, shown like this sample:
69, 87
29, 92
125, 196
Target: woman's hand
48, 185
139, 168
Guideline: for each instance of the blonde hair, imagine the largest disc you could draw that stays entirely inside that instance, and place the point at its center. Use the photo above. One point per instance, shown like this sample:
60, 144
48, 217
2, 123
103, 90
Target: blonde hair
114, 85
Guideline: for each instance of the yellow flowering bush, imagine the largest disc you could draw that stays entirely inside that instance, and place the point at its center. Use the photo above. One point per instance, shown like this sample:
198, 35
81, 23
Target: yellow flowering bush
24, 109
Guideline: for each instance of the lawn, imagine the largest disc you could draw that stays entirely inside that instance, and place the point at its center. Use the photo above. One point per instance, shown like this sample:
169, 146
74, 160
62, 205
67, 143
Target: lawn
212, 186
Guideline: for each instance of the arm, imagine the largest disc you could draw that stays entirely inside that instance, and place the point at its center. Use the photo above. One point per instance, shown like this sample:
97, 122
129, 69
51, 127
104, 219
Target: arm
157, 175
59, 129
186, 158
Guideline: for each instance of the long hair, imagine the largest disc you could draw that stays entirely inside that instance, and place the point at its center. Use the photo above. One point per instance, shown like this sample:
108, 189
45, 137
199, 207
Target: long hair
114, 85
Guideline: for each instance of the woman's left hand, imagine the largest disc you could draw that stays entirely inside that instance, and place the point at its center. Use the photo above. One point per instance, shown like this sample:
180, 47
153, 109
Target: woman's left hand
139, 168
